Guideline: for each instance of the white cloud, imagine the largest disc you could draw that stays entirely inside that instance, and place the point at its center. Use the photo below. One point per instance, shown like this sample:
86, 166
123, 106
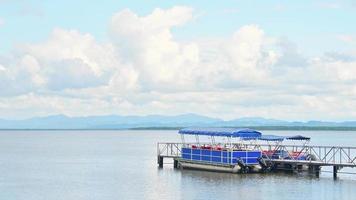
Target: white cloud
31, 64
147, 43
2, 68
143, 69
2, 22
68, 59
166, 64
250, 61
71, 44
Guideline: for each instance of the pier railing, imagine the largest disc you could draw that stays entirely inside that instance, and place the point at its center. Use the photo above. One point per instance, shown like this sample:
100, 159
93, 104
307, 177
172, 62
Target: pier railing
314, 155
318, 155
169, 149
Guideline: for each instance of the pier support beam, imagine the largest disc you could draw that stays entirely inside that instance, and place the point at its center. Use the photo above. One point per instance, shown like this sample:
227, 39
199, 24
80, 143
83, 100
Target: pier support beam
175, 164
314, 169
317, 171
335, 169
160, 161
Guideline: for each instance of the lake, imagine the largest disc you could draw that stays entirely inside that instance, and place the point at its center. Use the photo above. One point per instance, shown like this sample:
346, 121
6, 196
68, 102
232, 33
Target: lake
100, 165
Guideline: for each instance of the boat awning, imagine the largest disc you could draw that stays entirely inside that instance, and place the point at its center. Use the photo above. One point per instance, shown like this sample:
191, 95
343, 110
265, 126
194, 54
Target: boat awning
227, 132
297, 137
272, 138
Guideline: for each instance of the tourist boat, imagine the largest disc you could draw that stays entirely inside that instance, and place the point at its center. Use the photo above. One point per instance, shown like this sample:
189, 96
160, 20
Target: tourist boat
239, 150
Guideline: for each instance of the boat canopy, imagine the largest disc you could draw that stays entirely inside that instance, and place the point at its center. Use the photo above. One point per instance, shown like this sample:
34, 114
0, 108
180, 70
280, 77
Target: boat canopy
297, 137
227, 132
272, 138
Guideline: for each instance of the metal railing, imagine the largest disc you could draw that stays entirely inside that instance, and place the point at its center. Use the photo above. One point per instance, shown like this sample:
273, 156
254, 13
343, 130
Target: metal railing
318, 155
169, 149
323, 155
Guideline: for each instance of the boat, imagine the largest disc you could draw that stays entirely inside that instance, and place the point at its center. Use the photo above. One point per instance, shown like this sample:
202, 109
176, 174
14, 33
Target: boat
236, 152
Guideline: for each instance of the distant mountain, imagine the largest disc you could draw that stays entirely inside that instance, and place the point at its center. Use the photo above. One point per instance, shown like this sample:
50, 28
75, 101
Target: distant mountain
108, 122
255, 121
155, 121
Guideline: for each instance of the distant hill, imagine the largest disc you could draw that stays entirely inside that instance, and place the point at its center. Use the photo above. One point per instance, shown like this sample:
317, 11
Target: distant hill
162, 121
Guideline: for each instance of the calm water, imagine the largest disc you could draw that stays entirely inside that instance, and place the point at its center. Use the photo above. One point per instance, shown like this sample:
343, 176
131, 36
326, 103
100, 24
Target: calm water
74, 165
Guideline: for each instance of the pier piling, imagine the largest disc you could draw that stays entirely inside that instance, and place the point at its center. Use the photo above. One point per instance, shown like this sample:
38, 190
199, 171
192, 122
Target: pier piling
175, 164
160, 161
335, 169
317, 171
314, 169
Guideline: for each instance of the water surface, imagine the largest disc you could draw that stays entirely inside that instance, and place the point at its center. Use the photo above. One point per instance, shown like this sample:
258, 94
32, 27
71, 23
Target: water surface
74, 165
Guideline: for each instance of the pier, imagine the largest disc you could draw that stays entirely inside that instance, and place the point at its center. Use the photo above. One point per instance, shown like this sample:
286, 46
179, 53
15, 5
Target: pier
337, 157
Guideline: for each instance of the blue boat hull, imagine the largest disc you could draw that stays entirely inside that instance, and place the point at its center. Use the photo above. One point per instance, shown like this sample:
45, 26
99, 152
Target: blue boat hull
249, 157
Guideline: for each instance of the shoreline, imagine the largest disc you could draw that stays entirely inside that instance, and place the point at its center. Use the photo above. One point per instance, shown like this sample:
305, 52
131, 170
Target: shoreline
272, 128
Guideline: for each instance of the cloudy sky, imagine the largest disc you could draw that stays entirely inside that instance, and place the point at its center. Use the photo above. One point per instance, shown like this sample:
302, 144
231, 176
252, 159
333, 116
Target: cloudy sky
274, 59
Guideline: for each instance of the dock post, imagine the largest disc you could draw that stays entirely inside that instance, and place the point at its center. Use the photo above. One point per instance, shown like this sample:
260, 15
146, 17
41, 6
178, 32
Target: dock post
314, 169
299, 168
160, 161
335, 168
317, 171
175, 164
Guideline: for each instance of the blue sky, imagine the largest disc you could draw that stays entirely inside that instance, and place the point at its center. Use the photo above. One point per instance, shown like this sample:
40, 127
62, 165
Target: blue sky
292, 60
312, 24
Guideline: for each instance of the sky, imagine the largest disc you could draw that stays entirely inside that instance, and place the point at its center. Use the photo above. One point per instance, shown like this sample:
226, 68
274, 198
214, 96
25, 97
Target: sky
291, 60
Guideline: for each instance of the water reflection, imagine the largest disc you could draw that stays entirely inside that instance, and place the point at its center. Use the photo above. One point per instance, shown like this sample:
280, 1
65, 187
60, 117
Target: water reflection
211, 185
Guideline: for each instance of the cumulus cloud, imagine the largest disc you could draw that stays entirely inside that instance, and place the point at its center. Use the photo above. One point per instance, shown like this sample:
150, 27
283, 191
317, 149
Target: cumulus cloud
166, 64
289, 54
148, 44
250, 60
68, 59
71, 44
143, 69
